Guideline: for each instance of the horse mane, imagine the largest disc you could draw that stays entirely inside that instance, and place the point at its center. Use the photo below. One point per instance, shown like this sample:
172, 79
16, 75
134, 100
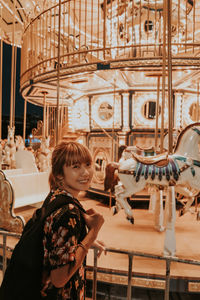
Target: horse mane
183, 132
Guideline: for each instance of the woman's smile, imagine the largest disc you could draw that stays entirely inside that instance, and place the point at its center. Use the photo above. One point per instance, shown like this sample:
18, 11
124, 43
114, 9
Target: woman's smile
84, 181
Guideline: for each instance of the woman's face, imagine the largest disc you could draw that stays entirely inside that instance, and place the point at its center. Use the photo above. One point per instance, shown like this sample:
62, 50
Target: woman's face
77, 177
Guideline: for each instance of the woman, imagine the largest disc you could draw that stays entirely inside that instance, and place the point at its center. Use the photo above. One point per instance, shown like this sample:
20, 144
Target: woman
69, 232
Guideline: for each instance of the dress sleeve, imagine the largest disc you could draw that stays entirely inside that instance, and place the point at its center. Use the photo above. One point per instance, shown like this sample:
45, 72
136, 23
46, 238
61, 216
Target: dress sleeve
61, 234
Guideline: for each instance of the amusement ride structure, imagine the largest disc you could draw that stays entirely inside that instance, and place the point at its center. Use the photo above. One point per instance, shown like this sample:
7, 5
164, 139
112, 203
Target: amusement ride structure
102, 68
108, 73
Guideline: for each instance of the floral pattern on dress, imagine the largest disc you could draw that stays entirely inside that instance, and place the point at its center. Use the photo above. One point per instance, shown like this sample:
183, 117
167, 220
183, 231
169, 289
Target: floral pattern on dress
63, 230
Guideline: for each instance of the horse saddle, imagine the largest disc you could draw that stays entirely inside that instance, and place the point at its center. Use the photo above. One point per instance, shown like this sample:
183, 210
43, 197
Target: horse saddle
160, 160
146, 149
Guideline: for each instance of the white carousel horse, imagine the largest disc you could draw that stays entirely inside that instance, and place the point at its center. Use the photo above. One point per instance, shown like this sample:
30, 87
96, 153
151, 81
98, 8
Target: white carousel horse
183, 191
180, 169
43, 155
19, 142
10, 149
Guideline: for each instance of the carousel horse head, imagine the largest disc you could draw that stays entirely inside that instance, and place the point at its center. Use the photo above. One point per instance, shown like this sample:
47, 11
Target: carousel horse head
19, 142
188, 141
11, 133
10, 148
43, 155
45, 143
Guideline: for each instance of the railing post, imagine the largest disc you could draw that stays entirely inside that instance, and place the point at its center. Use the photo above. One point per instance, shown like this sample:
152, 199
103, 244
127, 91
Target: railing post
4, 253
94, 287
130, 265
167, 281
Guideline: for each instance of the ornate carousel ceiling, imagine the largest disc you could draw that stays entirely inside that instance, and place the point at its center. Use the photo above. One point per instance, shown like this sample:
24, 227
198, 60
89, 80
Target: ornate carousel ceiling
22, 11
119, 78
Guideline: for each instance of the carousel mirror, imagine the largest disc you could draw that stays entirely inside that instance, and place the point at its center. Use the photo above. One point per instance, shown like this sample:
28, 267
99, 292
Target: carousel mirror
149, 110
101, 161
105, 111
194, 113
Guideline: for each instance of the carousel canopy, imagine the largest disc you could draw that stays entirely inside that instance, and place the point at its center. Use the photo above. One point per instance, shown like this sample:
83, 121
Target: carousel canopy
22, 11
125, 38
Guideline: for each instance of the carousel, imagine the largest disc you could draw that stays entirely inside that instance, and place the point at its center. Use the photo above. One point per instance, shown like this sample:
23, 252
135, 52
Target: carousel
122, 77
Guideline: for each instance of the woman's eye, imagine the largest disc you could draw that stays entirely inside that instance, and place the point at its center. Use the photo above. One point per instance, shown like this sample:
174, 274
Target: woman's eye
75, 166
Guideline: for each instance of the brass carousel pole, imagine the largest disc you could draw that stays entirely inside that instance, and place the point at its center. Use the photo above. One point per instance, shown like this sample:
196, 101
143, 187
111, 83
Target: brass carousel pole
104, 27
113, 125
58, 80
24, 124
157, 113
44, 114
14, 81
170, 240
197, 111
170, 98
163, 76
197, 119
113, 122
47, 123
1, 67
12, 90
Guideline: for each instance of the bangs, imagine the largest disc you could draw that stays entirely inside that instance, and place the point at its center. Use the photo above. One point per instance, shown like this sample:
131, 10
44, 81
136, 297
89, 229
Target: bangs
77, 153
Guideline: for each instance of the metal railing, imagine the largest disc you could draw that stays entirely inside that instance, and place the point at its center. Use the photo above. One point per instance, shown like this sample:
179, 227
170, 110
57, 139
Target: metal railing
5, 235
130, 254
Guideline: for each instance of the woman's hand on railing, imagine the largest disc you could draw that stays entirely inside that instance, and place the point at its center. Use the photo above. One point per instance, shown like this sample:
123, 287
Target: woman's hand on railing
100, 247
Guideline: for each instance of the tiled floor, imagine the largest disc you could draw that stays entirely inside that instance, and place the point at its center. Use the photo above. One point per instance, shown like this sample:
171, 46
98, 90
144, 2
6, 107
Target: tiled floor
118, 233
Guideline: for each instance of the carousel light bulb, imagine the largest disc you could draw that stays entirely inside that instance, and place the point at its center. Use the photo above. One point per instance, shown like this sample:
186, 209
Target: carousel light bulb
80, 140
121, 142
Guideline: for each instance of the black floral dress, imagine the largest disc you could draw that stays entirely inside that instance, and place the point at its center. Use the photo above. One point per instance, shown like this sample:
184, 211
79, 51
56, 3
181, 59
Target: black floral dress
63, 231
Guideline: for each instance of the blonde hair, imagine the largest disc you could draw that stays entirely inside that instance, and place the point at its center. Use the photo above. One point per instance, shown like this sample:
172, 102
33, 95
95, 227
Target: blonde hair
66, 153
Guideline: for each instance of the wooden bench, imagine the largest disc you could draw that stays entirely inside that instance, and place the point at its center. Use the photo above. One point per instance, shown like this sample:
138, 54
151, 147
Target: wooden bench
19, 188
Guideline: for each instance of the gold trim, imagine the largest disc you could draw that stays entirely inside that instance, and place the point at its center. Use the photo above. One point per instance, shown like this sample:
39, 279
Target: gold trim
193, 286
123, 280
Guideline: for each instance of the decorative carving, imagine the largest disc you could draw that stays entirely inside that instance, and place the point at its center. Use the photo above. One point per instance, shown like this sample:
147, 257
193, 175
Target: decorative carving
122, 279
150, 62
194, 286
8, 220
101, 149
105, 111
38, 131
66, 71
100, 158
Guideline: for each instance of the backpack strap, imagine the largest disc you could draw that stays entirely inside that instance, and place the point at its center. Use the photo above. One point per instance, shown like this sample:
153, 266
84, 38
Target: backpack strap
50, 206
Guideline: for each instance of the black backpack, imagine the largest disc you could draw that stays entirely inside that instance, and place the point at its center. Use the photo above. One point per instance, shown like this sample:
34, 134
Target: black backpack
23, 276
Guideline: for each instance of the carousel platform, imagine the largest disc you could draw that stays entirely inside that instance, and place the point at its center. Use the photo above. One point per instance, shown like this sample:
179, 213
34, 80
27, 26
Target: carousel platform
148, 274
